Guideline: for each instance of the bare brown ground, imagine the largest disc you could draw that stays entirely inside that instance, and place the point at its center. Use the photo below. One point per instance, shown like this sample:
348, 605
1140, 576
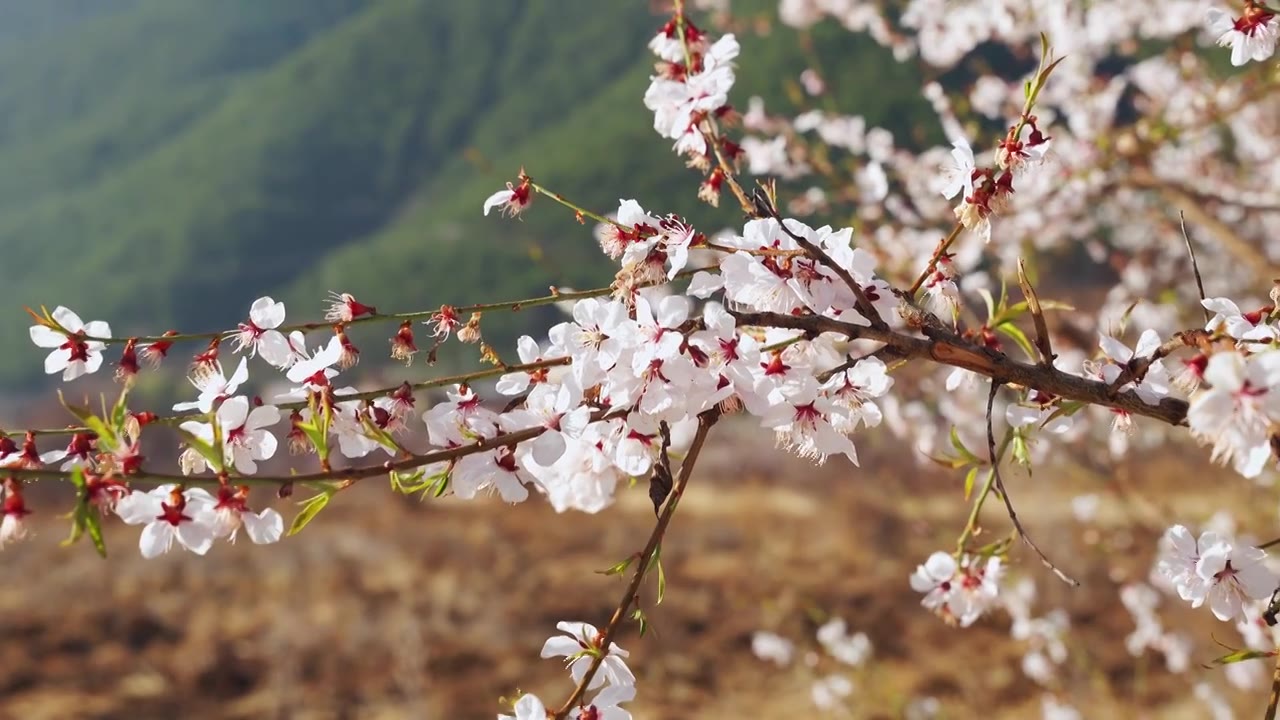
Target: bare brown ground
391, 608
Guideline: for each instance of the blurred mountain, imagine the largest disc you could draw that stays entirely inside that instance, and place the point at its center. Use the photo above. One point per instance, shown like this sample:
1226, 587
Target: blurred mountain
165, 162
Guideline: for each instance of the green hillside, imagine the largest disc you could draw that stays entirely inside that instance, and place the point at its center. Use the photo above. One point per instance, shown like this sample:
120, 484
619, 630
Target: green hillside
164, 162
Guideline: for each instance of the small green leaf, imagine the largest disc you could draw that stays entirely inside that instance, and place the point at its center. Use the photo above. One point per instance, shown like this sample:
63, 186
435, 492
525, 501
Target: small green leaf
93, 523
378, 435
968, 482
84, 518
1242, 656
949, 462
617, 568
1015, 333
310, 508
960, 448
408, 484
639, 616
662, 584
1021, 452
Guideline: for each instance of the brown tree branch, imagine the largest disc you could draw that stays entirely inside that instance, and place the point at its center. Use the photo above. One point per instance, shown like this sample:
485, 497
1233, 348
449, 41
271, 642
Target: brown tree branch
945, 347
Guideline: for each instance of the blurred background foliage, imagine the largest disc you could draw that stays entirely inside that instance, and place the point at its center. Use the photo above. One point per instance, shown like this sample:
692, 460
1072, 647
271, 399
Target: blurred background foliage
165, 162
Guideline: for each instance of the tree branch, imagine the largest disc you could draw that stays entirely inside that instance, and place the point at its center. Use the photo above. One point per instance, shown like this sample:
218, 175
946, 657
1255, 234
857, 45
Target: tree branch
705, 421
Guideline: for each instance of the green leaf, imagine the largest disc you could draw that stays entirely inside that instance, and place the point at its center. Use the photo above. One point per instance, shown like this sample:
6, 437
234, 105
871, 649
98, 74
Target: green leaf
91, 421
950, 463
93, 523
1242, 656
662, 583
310, 508
960, 448
378, 435
1021, 452
408, 484
968, 482
617, 568
1020, 338
639, 616
84, 518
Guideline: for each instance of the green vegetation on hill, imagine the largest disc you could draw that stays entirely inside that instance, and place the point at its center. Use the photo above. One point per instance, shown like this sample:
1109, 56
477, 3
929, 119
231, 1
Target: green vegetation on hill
165, 162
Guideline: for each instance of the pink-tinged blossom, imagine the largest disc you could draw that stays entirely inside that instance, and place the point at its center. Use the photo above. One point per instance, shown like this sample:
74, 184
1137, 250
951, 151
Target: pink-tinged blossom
231, 513
13, 524
577, 643
214, 386
73, 355
584, 477
1251, 36
854, 390
170, 514
496, 470
804, 422
1228, 318
512, 201
678, 104
259, 336
632, 234
461, 419
555, 409
959, 592
518, 382
245, 437
343, 308
1155, 383
316, 371
1214, 570
1235, 413
1230, 574
600, 333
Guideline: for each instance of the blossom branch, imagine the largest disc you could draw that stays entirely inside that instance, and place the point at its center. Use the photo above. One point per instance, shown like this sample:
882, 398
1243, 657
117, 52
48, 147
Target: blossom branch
629, 596
945, 347
411, 462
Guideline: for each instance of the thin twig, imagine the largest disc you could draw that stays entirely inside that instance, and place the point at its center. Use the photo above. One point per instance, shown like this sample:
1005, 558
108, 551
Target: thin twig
1004, 494
705, 421
409, 462
1195, 266
1037, 316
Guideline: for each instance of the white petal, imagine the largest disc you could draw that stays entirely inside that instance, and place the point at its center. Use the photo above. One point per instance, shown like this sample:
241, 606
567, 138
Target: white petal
156, 539
502, 197
137, 508
195, 536
69, 321
98, 329
548, 448
57, 361
46, 337
264, 527
560, 645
